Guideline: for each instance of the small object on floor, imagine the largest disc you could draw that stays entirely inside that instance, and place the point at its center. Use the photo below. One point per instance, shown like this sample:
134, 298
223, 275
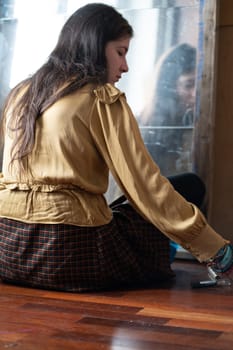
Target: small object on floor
215, 280
211, 283
203, 284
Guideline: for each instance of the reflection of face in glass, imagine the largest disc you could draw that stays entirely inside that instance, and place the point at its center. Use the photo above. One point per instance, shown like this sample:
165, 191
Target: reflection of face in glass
185, 88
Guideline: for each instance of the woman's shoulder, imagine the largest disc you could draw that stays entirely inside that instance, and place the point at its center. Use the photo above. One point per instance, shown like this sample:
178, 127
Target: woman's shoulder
108, 93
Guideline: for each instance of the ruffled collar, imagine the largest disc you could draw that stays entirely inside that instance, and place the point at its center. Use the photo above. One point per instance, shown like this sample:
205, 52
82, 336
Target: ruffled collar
108, 93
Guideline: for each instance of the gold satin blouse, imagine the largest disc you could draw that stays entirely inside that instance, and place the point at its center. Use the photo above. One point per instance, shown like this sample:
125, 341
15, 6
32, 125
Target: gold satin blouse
77, 141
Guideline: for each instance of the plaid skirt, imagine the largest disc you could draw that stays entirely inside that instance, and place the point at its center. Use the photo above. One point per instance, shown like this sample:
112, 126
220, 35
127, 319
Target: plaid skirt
128, 251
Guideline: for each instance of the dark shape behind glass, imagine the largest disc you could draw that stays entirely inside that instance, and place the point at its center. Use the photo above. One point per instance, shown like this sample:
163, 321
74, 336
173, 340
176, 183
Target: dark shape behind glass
167, 120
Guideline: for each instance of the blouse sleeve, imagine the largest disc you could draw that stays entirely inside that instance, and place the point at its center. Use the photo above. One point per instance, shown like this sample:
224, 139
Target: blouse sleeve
118, 138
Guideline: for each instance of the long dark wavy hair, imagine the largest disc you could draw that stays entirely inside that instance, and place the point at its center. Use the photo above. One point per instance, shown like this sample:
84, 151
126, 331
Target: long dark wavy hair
77, 59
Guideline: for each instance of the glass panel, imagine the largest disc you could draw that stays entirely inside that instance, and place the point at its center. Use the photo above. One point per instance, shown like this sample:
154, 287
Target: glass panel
8, 26
160, 85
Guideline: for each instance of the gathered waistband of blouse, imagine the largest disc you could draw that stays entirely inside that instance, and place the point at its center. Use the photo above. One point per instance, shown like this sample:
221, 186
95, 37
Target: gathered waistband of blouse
39, 187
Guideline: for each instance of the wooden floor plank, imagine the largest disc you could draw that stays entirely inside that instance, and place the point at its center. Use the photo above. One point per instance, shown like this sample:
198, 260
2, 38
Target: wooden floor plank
167, 317
186, 315
214, 326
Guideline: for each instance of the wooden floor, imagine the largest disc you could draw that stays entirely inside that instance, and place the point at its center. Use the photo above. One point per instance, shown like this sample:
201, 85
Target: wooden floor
167, 317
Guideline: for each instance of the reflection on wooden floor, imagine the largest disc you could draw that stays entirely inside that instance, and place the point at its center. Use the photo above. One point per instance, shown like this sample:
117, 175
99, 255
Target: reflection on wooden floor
167, 317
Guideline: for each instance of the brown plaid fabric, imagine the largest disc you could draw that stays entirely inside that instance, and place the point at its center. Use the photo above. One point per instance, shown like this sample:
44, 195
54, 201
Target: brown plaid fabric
125, 252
